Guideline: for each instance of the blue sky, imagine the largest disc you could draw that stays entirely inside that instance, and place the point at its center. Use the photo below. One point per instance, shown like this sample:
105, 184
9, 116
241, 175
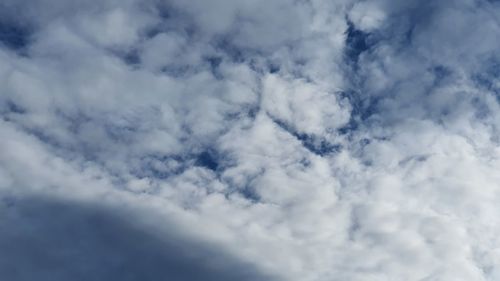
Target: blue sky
249, 140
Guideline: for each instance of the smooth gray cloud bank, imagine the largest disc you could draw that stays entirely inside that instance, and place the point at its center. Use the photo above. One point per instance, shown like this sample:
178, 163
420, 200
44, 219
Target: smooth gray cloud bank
43, 239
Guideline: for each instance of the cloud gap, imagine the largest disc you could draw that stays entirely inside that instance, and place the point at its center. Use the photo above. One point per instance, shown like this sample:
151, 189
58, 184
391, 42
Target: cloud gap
357, 42
15, 36
362, 110
315, 144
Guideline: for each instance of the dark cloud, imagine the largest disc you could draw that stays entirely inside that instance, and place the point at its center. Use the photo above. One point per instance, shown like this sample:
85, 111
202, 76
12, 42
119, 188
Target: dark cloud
47, 239
14, 35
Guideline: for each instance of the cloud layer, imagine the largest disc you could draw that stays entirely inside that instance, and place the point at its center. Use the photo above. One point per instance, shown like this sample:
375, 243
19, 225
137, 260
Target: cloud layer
293, 140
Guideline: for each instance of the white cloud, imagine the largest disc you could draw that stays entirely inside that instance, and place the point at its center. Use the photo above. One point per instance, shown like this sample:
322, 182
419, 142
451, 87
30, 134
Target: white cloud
314, 140
367, 16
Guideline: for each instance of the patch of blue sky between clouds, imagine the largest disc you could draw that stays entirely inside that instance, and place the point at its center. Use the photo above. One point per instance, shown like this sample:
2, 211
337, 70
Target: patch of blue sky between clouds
15, 36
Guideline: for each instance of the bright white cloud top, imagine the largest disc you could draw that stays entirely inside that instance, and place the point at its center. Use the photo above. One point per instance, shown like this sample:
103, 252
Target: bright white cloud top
223, 140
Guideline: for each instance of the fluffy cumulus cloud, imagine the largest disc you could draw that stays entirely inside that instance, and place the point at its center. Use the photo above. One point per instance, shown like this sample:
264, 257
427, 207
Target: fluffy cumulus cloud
249, 140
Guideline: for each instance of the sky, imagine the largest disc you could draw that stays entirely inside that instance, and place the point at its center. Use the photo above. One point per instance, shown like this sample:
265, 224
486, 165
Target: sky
284, 140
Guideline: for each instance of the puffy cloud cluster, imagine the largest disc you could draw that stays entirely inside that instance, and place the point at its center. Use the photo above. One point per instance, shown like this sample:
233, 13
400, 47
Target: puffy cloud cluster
250, 140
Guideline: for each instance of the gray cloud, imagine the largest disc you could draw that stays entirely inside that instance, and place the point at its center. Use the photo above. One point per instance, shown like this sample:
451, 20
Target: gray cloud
44, 239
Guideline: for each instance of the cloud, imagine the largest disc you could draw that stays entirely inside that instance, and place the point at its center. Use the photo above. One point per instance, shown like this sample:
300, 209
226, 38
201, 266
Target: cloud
44, 239
296, 140
367, 16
